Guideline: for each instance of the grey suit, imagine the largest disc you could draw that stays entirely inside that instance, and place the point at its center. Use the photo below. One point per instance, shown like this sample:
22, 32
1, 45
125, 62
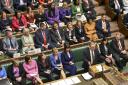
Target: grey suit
4, 6
7, 45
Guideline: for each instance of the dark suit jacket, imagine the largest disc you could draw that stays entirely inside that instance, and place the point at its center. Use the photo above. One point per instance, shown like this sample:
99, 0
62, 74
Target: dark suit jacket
39, 40
112, 4
66, 33
102, 50
125, 20
84, 5
3, 3
41, 66
10, 73
16, 3
115, 47
65, 58
79, 34
87, 56
99, 26
54, 37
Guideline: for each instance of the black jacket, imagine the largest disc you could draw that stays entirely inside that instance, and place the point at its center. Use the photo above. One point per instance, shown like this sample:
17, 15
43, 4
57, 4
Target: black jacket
10, 73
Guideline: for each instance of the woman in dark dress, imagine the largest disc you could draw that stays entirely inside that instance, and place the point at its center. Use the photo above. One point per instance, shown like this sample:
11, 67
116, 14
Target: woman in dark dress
67, 58
44, 66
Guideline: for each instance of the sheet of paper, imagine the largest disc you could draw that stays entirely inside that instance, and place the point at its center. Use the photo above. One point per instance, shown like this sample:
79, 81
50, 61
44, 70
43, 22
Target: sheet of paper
75, 80
69, 81
46, 84
87, 76
33, 74
99, 68
54, 83
62, 82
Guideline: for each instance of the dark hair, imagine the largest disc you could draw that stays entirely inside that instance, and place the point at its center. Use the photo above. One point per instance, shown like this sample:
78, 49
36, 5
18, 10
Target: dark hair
76, 2
3, 13
51, 11
40, 56
66, 45
16, 12
104, 39
27, 58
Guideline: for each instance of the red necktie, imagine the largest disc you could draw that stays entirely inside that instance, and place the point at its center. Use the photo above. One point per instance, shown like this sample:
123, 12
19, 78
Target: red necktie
44, 36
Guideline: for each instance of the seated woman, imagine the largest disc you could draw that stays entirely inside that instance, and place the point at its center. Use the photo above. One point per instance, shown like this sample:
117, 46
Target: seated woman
16, 73
79, 32
31, 19
27, 41
67, 59
4, 21
19, 21
65, 13
31, 69
44, 66
77, 11
90, 30
56, 64
40, 16
52, 14
70, 34
3, 74
106, 51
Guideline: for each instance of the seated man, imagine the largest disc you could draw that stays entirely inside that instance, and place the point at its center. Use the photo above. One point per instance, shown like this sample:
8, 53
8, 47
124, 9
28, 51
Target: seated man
7, 5
116, 5
42, 38
91, 56
88, 9
10, 44
103, 27
20, 4
57, 36
119, 49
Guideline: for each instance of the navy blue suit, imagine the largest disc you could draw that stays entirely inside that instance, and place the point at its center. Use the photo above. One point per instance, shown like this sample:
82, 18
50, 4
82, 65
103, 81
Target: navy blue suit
99, 29
17, 6
87, 58
39, 40
65, 61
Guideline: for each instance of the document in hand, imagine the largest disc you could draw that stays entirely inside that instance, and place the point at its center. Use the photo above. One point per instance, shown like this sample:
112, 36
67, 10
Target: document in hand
99, 68
87, 76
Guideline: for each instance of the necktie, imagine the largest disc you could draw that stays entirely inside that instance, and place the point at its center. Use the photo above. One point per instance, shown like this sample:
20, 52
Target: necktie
92, 56
11, 44
119, 44
44, 37
58, 34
